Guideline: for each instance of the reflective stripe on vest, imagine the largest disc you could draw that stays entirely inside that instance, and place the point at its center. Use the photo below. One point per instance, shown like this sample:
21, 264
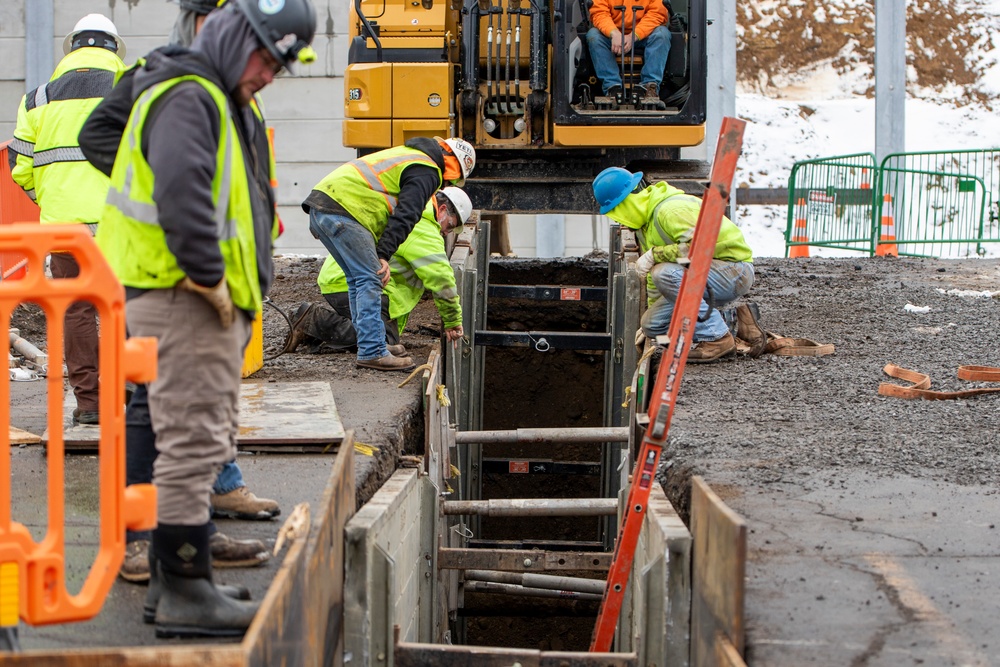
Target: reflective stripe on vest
372, 174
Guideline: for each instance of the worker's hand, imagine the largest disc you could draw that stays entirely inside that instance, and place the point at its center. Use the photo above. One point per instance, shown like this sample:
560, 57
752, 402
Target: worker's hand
217, 296
383, 272
454, 335
628, 41
616, 42
645, 264
683, 250
640, 339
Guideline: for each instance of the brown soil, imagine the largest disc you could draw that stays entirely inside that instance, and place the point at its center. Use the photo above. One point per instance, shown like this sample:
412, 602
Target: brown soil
946, 43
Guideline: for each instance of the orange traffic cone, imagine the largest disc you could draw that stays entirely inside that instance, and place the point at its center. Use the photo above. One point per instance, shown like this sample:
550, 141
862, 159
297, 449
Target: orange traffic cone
887, 240
865, 182
799, 231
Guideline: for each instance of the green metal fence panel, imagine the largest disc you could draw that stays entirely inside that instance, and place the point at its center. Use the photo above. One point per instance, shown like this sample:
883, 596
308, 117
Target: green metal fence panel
831, 203
945, 203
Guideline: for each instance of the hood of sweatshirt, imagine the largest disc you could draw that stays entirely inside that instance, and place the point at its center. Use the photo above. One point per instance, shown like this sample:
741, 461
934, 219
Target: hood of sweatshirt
637, 209
430, 147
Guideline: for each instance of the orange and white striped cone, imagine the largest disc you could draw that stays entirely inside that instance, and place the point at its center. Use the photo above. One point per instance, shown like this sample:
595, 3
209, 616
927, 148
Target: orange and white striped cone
887, 238
799, 234
866, 183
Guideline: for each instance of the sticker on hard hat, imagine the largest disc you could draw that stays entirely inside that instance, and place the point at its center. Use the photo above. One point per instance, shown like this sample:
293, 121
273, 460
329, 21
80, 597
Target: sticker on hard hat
271, 6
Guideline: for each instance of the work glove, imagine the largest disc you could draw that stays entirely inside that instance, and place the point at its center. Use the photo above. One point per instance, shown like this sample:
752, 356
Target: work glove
645, 264
683, 249
217, 296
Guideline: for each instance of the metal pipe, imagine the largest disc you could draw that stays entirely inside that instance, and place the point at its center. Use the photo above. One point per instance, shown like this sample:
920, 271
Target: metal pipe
38, 359
546, 581
593, 434
533, 507
510, 589
370, 30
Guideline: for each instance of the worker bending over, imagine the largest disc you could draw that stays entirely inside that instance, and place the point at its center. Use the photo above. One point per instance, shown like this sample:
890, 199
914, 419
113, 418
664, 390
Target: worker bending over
664, 218
419, 264
187, 229
364, 210
46, 161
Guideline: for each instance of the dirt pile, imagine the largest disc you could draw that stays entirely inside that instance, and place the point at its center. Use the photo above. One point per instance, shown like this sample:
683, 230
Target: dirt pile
947, 46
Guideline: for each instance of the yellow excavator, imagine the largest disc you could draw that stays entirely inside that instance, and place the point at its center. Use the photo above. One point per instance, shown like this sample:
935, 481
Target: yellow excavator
517, 82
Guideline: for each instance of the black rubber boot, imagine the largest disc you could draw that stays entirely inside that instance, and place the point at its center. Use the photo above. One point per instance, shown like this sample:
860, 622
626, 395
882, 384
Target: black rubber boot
190, 605
153, 594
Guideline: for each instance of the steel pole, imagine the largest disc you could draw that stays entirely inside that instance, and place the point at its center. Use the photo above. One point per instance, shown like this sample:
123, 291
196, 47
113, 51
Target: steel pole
544, 435
533, 507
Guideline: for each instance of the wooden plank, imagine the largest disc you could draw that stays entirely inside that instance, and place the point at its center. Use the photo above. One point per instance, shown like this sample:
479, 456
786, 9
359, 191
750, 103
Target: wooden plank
726, 654
442, 655
22, 437
522, 560
277, 634
719, 565
301, 415
158, 656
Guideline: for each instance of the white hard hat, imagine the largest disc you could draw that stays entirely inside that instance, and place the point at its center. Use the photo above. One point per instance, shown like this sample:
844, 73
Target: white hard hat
460, 200
95, 23
465, 153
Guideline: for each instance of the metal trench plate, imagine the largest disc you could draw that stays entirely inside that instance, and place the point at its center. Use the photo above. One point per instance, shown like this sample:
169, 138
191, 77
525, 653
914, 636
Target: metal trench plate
274, 416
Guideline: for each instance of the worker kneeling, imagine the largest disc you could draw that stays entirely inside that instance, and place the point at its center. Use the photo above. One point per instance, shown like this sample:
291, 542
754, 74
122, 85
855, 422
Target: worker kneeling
420, 263
665, 218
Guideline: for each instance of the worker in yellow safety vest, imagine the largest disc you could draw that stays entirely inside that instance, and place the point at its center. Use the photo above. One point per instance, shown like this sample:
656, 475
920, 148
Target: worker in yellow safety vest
419, 264
364, 210
47, 162
187, 230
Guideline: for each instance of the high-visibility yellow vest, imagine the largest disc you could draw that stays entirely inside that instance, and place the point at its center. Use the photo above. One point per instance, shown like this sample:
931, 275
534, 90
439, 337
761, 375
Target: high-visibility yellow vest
130, 234
420, 263
49, 164
368, 187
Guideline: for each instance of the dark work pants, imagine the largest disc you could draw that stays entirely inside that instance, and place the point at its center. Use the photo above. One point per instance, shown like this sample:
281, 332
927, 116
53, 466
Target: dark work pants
80, 344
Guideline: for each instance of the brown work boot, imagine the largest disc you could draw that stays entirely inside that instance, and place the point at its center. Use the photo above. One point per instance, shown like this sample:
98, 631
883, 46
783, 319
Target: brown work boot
397, 350
297, 333
241, 504
227, 552
86, 417
748, 328
388, 363
135, 567
707, 351
649, 96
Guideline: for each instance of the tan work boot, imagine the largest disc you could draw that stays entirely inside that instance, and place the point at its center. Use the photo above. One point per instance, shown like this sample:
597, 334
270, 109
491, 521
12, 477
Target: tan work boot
748, 328
707, 351
241, 504
227, 552
135, 567
388, 363
397, 350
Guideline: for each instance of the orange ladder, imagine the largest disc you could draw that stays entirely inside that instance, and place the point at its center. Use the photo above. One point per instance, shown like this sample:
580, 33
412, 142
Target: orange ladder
668, 378
33, 574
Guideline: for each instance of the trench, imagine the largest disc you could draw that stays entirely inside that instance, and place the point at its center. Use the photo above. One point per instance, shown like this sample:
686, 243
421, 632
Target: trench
525, 388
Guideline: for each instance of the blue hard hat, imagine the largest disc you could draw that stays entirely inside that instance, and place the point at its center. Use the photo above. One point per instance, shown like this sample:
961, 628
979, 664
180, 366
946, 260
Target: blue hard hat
612, 185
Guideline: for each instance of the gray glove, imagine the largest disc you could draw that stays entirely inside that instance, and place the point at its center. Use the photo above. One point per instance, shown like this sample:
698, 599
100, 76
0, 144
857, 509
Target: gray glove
217, 296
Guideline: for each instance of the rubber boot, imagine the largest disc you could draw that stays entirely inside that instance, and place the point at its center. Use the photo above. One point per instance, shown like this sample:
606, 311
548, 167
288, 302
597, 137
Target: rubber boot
153, 594
190, 605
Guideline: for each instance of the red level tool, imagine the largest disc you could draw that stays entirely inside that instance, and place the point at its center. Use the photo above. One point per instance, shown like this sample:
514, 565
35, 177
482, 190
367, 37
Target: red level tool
668, 378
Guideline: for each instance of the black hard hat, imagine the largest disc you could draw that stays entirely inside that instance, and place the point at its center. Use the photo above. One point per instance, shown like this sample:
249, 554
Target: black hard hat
201, 7
284, 27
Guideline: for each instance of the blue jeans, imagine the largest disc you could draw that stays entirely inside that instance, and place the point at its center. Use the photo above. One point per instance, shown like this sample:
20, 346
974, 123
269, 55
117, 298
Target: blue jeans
727, 281
353, 246
230, 478
654, 50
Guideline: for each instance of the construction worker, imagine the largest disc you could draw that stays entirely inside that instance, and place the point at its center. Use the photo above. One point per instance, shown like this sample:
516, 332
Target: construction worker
230, 496
47, 163
645, 33
363, 211
664, 218
187, 229
420, 263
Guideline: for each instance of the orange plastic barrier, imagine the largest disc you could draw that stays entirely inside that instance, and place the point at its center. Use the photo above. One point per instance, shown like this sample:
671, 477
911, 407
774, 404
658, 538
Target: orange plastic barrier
33, 575
15, 206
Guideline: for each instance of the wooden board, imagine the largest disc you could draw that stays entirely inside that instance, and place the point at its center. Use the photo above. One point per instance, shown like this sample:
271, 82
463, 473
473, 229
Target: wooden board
21, 437
719, 564
301, 416
441, 655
